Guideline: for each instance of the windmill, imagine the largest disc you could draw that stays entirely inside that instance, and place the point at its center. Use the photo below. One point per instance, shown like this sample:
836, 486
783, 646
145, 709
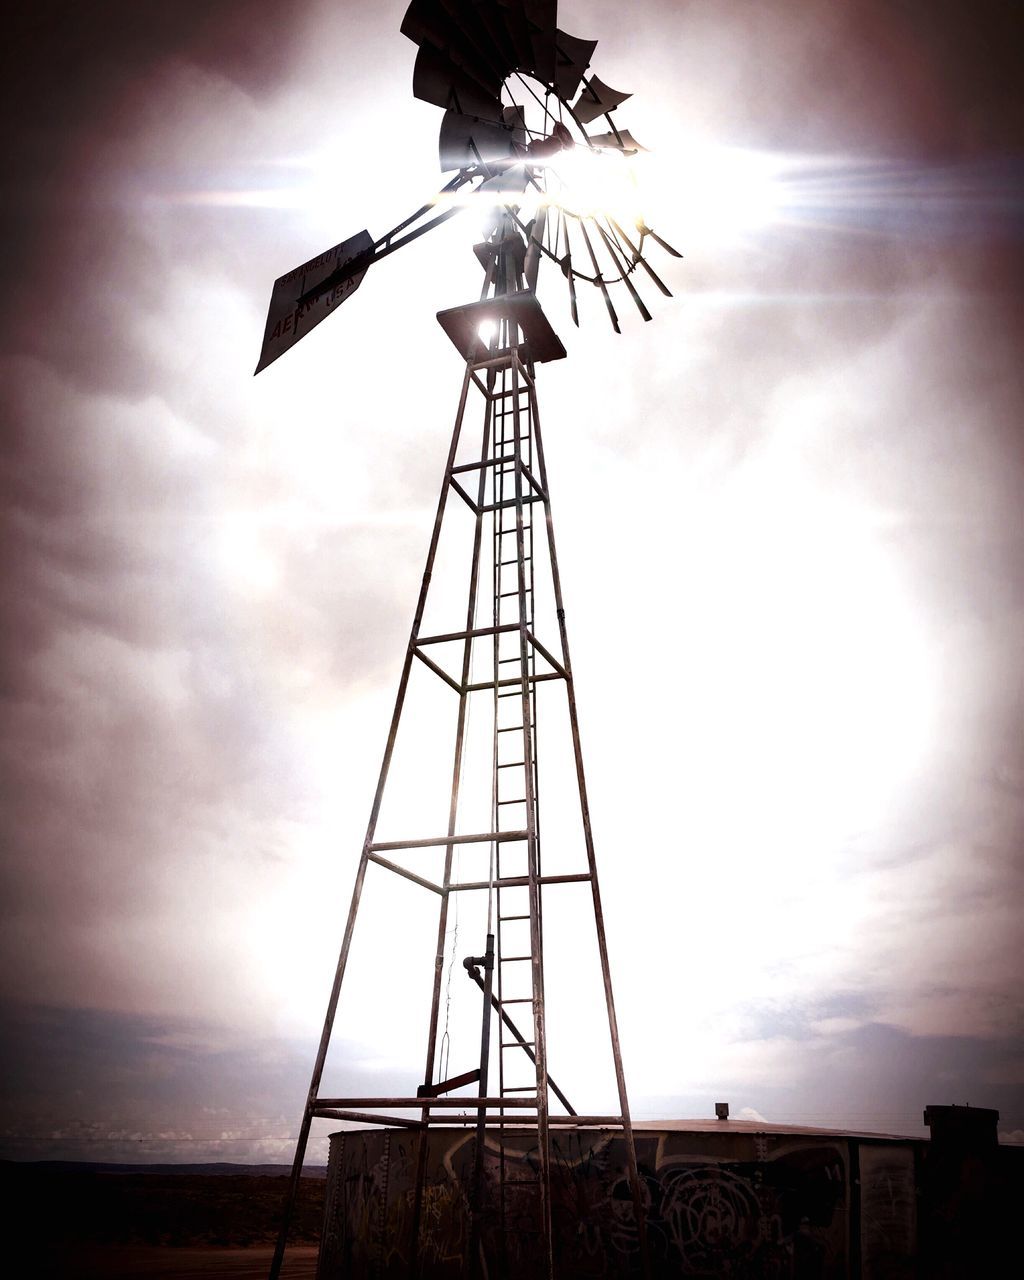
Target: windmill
528, 134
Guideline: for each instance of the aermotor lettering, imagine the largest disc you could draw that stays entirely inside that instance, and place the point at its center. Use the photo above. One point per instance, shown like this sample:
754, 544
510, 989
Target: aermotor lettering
290, 323
324, 258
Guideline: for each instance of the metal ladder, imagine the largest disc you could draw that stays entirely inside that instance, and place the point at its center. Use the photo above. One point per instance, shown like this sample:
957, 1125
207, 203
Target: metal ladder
523, 1199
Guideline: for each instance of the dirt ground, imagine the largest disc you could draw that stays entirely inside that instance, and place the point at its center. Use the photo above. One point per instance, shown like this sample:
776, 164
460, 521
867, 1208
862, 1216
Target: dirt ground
140, 1262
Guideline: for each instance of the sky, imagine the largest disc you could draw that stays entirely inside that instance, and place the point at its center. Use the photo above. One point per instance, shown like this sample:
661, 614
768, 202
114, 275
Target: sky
790, 530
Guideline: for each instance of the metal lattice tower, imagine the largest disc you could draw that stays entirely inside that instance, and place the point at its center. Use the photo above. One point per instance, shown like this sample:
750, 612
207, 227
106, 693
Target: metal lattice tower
503, 652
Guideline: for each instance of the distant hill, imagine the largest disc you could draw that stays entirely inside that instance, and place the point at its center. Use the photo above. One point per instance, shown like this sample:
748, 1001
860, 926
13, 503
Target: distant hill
164, 1205
219, 1167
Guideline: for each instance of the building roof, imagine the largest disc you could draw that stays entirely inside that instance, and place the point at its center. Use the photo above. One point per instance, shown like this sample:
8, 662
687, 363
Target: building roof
763, 1126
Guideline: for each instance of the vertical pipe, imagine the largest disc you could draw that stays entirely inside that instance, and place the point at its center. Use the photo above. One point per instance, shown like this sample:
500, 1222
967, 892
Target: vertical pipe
473, 1266
533, 250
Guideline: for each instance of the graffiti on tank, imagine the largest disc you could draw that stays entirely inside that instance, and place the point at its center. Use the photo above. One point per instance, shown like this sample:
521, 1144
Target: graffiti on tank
442, 1224
777, 1212
711, 1216
597, 1205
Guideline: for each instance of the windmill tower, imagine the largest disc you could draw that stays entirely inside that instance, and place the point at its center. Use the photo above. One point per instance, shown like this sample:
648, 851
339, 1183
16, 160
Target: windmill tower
517, 105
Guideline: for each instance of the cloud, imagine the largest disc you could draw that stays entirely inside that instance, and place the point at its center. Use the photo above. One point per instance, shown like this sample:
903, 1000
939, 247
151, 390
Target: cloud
788, 518
92, 1085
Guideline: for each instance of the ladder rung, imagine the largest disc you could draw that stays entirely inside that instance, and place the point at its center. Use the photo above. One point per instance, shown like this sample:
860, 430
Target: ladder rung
517, 1044
525, 558
514, 728
510, 959
520, 1088
517, 1000
515, 764
522, 801
525, 917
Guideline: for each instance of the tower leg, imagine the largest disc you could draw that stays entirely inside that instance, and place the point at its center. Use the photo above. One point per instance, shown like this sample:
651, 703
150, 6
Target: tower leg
339, 974
460, 735
588, 835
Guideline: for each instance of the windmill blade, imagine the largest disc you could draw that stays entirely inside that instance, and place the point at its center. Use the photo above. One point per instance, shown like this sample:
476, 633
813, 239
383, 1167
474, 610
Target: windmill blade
518, 27
292, 315
597, 99
492, 18
565, 262
645, 230
474, 19
541, 16
459, 24
455, 24
639, 258
513, 178
429, 22
599, 278
515, 119
437, 79
572, 57
466, 141
622, 141
535, 240
623, 270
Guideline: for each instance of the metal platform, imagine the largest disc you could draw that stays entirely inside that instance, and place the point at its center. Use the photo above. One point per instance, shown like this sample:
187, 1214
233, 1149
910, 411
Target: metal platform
462, 325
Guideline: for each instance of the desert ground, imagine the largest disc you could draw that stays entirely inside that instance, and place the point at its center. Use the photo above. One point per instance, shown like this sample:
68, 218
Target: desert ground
134, 1262
94, 1224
